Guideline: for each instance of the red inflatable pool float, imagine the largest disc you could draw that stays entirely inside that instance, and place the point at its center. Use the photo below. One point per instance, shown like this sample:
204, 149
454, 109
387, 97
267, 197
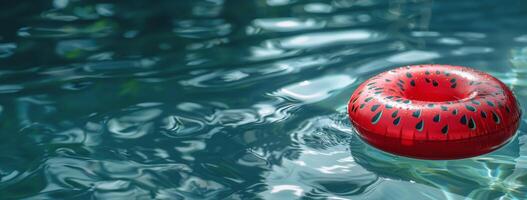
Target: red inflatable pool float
434, 112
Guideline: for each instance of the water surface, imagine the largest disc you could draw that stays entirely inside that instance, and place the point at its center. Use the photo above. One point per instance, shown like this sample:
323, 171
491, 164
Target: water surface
232, 99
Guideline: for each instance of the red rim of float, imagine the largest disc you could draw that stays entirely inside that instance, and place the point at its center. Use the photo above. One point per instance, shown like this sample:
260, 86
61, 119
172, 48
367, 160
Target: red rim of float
434, 112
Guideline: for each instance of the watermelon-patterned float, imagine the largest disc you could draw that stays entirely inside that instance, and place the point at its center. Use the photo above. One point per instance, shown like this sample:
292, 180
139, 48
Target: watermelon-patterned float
434, 112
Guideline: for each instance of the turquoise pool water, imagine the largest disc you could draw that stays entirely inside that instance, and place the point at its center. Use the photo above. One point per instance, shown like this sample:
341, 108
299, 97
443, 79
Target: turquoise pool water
237, 99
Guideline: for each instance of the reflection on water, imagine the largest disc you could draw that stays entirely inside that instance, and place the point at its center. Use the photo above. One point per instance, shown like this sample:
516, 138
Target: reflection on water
315, 90
228, 99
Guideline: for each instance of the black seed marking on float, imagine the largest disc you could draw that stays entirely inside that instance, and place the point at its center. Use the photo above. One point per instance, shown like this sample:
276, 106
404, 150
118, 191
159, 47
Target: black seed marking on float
401, 81
387, 80
453, 80
368, 99
447, 73
362, 106
400, 85
483, 114
388, 106
398, 100
408, 75
419, 126
389, 97
412, 82
416, 113
431, 105
495, 117
454, 112
453, 85
377, 92
407, 101
507, 109
435, 83
371, 83
374, 107
490, 103
355, 100
471, 83
394, 114
438, 72
376, 118
463, 120
475, 102
396, 121
444, 108
379, 88
427, 80
436, 118
471, 124
471, 108
427, 72
444, 130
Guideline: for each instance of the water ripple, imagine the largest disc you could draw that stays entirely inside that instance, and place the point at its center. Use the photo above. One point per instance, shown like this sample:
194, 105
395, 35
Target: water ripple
97, 29
201, 29
312, 40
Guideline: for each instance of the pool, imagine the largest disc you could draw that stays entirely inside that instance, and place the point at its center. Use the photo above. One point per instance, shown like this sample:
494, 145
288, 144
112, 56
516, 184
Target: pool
237, 99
